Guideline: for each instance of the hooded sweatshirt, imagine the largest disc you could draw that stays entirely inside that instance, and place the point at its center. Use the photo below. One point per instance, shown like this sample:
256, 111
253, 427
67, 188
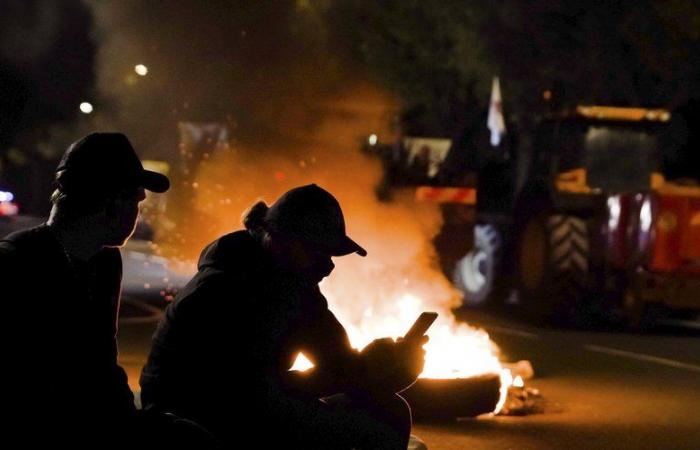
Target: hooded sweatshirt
228, 340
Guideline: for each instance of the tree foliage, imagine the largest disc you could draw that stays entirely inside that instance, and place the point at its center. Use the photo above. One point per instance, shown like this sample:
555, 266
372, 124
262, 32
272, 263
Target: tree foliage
430, 53
441, 56
47, 55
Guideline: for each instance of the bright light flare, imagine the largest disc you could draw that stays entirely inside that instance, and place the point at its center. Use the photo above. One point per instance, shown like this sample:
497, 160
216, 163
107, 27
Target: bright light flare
454, 350
302, 363
518, 382
141, 70
86, 107
506, 383
614, 209
6, 196
372, 139
645, 217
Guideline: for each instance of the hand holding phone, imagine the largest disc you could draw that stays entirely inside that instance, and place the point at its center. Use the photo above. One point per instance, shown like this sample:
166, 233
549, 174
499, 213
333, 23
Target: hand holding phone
421, 325
394, 366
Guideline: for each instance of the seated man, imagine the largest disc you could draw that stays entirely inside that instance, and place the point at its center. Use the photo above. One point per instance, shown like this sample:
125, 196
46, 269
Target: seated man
60, 300
222, 354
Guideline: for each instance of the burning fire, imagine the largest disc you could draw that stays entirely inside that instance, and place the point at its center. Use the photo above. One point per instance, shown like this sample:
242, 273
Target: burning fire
454, 350
374, 297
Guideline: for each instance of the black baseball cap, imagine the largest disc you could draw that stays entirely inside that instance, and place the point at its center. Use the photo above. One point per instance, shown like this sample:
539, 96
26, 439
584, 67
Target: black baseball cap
105, 163
312, 214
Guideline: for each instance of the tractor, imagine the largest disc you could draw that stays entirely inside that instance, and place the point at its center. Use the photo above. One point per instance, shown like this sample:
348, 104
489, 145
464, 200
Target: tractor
583, 226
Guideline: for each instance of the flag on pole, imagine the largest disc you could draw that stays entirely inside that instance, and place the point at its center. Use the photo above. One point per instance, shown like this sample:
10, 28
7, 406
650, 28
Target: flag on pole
495, 122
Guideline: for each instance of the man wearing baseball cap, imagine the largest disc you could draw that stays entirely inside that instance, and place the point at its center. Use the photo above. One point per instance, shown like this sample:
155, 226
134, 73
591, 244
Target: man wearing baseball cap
61, 286
221, 355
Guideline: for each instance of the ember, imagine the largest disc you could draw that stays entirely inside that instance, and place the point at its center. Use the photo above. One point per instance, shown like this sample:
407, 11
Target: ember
522, 400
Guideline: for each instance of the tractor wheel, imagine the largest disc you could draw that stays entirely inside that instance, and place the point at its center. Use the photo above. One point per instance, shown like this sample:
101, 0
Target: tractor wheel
475, 273
553, 255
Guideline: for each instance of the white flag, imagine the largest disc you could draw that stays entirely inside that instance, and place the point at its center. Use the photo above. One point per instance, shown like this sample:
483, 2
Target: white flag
496, 123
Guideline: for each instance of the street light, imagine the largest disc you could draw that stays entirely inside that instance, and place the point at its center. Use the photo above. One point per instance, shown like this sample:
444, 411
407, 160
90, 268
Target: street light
141, 70
86, 108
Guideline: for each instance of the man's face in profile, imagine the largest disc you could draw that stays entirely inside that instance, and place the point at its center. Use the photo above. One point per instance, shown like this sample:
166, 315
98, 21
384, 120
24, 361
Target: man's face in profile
125, 213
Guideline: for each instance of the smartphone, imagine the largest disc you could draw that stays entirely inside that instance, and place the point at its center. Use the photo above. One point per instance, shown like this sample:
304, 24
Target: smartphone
421, 325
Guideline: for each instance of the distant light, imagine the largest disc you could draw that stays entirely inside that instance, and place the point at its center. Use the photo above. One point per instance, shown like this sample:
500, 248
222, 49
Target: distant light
518, 382
86, 107
8, 209
372, 139
140, 69
6, 196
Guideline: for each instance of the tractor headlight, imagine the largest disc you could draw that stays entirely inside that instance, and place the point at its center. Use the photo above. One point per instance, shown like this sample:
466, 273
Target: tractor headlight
614, 210
645, 216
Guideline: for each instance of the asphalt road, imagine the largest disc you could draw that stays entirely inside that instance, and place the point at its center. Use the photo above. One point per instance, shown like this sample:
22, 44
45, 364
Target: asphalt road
601, 390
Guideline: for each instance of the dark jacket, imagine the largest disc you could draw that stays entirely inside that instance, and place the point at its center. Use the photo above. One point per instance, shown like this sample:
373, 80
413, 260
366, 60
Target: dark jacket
59, 324
228, 340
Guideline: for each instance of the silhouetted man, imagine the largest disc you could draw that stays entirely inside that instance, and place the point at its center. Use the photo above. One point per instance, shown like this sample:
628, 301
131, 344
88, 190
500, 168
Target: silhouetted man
222, 354
60, 286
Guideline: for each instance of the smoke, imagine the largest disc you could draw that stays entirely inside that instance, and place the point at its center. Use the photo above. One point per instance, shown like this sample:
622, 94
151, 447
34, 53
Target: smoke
29, 39
380, 295
256, 66
283, 110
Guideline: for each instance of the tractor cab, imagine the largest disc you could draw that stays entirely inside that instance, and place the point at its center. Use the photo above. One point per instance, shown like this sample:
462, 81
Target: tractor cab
595, 149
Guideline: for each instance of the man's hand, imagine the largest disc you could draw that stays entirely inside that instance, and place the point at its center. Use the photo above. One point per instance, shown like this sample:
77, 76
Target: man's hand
393, 366
412, 354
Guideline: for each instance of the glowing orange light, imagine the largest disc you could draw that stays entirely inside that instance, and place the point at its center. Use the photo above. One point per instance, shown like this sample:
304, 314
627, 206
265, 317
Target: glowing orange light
625, 114
518, 382
302, 363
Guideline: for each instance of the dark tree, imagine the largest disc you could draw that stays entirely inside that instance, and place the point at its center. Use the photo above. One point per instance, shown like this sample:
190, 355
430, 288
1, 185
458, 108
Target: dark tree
440, 56
46, 70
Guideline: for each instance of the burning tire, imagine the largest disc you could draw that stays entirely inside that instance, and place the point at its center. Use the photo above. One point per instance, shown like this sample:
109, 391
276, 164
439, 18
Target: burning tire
475, 273
450, 398
553, 266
